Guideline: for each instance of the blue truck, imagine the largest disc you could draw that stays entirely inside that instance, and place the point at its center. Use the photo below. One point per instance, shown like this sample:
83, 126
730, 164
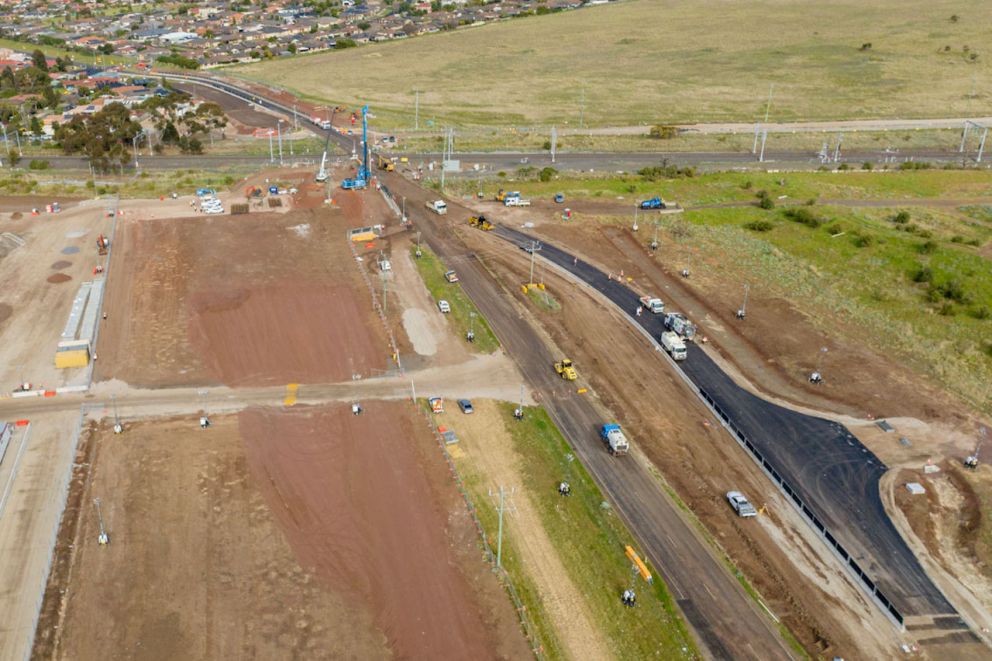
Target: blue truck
653, 203
615, 440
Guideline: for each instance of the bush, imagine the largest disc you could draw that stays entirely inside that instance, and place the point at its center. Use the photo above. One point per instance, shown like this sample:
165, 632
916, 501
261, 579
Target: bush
178, 60
803, 216
900, 218
663, 132
946, 309
843, 166
759, 225
666, 171
927, 247
922, 274
547, 174
344, 43
747, 185
764, 200
980, 312
914, 165
39, 164
862, 240
867, 165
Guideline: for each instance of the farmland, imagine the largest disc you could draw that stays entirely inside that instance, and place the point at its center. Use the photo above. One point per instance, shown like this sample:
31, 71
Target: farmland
662, 61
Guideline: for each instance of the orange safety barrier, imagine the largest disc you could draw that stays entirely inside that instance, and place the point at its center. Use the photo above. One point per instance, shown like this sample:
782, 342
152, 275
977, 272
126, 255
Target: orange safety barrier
642, 569
22, 423
50, 393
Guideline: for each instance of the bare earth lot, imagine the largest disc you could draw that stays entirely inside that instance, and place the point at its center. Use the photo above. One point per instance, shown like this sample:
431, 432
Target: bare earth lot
242, 300
276, 535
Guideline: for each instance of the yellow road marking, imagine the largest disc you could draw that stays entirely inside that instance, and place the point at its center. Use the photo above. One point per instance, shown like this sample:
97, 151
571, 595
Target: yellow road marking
291, 389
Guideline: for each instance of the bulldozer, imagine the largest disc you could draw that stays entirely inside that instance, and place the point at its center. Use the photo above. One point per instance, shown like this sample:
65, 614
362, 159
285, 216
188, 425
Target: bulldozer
480, 222
566, 370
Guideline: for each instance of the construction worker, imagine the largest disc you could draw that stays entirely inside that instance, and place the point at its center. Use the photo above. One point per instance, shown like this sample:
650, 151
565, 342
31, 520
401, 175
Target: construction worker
629, 599
564, 489
356, 409
639, 309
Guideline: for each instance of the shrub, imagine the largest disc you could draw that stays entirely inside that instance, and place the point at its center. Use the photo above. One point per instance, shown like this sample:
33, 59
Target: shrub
803, 216
764, 200
38, 164
914, 165
946, 309
665, 171
843, 166
759, 225
747, 185
927, 247
663, 132
980, 312
862, 240
922, 274
900, 218
867, 165
547, 174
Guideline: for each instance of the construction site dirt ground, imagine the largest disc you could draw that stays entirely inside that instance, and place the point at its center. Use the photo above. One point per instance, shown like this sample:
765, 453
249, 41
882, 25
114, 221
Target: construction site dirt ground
43, 260
302, 533
255, 299
792, 570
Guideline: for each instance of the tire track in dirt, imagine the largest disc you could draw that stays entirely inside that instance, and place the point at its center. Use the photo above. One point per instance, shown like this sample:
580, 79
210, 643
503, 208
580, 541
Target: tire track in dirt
484, 438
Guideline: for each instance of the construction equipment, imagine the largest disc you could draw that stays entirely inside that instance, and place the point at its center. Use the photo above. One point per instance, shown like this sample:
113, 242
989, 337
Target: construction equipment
326, 124
502, 195
253, 191
566, 369
102, 243
384, 164
481, 223
674, 345
360, 180
615, 440
438, 207
655, 305
677, 322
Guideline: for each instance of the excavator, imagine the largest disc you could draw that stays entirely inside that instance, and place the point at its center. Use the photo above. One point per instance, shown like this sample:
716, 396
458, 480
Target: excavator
480, 222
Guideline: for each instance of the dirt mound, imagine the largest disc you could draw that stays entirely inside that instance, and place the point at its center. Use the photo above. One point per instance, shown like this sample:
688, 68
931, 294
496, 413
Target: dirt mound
281, 334
58, 278
61, 264
368, 503
5, 312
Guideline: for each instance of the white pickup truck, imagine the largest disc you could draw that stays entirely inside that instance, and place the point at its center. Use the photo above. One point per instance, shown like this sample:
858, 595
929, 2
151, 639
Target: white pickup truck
516, 202
674, 345
653, 304
438, 207
741, 505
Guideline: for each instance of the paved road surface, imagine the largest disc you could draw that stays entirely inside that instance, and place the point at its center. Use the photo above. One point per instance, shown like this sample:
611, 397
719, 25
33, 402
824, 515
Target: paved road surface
827, 467
725, 619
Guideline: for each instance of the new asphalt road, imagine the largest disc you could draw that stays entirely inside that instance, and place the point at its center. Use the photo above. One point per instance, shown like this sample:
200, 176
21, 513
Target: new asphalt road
831, 477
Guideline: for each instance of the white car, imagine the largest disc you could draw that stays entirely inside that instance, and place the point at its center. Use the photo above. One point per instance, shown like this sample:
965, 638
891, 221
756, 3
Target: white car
217, 209
741, 505
443, 306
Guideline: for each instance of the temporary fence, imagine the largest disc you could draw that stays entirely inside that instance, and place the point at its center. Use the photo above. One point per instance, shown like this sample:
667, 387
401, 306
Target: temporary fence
501, 573
63, 496
377, 307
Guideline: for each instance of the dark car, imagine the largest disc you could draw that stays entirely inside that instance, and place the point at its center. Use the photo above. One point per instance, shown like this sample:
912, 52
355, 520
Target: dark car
465, 405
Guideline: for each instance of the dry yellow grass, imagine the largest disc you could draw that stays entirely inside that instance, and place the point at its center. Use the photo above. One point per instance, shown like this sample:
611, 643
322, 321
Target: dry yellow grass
657, 61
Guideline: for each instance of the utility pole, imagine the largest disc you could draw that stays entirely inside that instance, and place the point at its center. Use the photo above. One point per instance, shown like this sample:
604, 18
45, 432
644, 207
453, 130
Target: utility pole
103, 539
635, 219
279, 129
385, 310
118, 427
654, 241
519, 412
840, 137
416, 111
554, 142
743, 311
764, 139
296, 124
272, 157
768, 106
533, 252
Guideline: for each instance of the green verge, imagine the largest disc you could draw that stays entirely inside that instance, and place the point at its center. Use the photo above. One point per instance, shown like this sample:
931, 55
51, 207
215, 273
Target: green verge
145, 185
432, 272
55, 51
590, 540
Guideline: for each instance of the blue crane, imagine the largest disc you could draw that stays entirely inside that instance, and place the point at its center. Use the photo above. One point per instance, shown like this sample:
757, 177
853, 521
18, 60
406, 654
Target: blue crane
361, 179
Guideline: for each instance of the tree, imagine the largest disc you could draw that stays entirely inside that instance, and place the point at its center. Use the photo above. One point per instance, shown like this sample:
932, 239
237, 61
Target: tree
36, 127
7, 80
38, 59
104, 138
170, 134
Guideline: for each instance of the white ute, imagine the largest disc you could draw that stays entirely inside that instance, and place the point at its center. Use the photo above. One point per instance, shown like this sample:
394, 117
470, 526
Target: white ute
653, 304
741, 504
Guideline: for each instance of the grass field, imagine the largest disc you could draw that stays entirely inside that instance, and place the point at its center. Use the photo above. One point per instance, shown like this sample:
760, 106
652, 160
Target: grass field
658, 61
912, 285
54, 51
432, 272
146, 185
587, 535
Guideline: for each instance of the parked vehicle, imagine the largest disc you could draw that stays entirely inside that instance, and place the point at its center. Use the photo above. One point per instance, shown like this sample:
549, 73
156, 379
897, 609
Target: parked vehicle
741, 505
653, 203
653, 304
674, 345
531, 247
438, 207
516, 202
466, 406
451, 276
677, 322
615, 440
559, 198
444, 306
